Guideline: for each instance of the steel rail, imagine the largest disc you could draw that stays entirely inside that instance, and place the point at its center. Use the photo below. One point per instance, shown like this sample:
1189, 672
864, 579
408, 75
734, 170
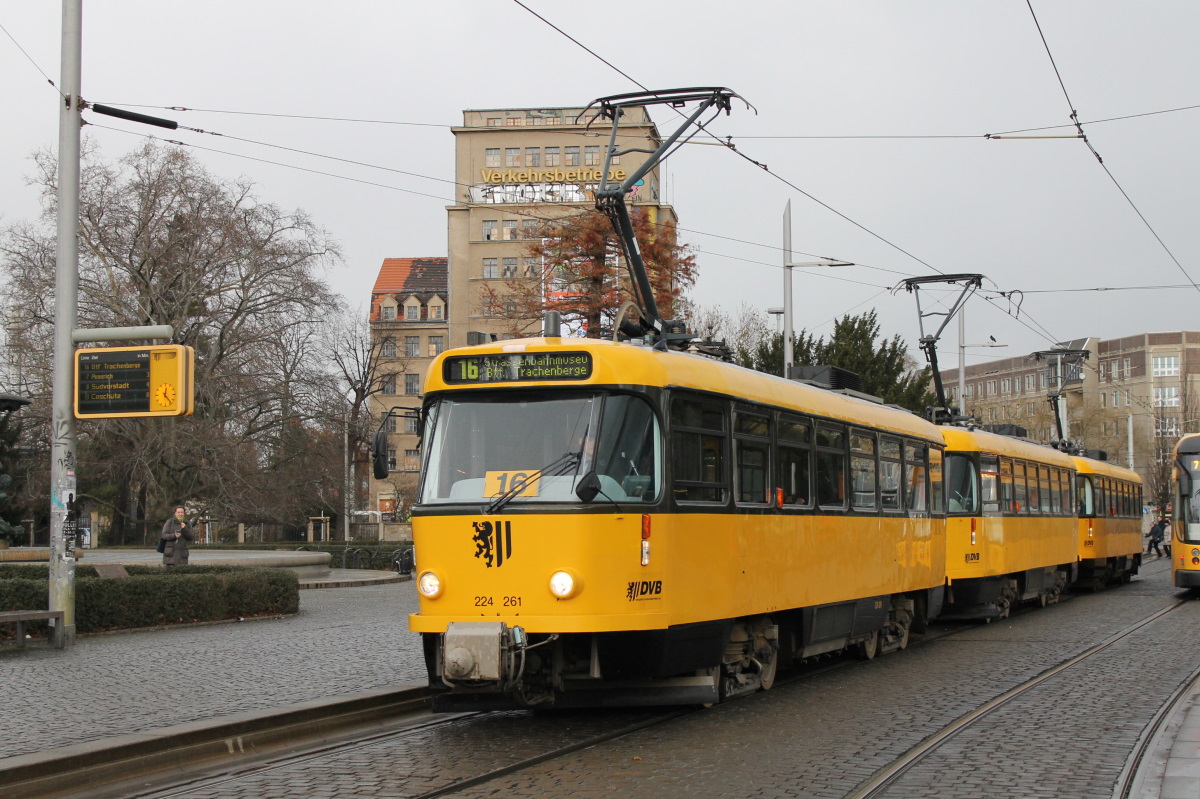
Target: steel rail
887, 775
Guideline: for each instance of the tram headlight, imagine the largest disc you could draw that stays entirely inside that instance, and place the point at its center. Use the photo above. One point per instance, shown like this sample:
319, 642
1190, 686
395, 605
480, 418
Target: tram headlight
1196, 553
564, 584
430, 585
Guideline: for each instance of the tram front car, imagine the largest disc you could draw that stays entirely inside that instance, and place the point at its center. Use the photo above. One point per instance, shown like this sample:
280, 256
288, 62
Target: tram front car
541, 464
1185, 548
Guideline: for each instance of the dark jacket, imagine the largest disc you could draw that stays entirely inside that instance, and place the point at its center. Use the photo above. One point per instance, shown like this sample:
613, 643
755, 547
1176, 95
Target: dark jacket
1158, 531
175, 550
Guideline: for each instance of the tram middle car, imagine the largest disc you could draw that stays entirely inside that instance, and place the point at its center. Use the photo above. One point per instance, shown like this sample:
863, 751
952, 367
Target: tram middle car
603, 523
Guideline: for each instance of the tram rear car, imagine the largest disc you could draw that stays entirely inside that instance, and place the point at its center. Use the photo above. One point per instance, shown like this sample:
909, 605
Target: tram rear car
1109, 538
1185, 532
1010, 531
603, 523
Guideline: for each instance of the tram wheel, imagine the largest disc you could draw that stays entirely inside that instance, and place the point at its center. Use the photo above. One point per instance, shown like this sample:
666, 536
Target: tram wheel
869, 647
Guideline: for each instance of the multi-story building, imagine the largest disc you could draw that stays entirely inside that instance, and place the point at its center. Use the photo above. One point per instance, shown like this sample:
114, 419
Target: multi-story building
409, 325
516, 169
1131, 397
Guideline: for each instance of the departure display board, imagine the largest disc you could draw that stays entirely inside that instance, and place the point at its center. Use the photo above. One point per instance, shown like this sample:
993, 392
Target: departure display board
114, 382
516, 367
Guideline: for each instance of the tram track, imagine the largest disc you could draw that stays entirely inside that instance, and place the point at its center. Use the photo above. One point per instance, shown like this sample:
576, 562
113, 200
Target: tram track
887, 776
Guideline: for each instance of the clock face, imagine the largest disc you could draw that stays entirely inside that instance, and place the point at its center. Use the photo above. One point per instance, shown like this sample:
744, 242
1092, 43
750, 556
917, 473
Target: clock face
164, 395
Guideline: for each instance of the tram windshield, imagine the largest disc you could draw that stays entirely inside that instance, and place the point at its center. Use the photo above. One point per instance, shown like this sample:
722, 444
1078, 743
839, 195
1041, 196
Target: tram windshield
1189, 497
962, 484
534, 448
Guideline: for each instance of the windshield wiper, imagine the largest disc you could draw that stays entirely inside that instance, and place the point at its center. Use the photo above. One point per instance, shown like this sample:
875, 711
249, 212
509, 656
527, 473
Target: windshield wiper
568, 461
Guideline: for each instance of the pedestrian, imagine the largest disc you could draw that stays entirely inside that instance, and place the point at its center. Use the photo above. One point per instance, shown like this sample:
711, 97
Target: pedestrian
1156, 537
176, 534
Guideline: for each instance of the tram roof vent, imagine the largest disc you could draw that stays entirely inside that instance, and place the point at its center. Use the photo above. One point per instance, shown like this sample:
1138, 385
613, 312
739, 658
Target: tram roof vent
832, 377
1095, 454
1011, 430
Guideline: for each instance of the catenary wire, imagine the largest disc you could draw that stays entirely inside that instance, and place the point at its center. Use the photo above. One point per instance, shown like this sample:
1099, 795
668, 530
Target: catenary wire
31, 61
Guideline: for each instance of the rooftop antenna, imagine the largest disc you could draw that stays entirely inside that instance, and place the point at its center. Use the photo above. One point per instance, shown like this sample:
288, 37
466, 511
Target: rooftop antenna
969, 283
610, 197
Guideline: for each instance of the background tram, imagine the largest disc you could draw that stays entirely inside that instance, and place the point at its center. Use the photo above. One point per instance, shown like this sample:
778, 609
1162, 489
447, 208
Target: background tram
1185, 548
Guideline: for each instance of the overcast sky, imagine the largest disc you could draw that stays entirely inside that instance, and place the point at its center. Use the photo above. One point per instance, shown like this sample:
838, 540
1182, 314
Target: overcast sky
1030, 214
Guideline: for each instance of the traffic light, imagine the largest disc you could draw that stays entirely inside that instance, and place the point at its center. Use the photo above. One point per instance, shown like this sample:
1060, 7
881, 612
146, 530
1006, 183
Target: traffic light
116, 382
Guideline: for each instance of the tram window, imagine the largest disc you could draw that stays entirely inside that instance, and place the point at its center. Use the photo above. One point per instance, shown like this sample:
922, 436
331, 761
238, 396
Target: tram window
831, 466
698, 450
1020, 497
795, 440
1006, 485
937, 490
962, 482
1110, 497
889, 473
752, 448
1056, 477
916, 468
862, 471
1044, 489
629, 450
1085, 492
989, 483
1190, 504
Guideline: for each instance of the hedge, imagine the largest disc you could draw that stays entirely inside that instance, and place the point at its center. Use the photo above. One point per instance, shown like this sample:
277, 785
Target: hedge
152, 595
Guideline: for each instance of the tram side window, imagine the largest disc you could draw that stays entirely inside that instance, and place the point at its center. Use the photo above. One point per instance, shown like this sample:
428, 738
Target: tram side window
698, 450
989, 482
795, 444
862, 470
1020, 497
630, 448
1007, 502
831, 466
937, 490
1086, 494
752, 452
1112, 498
1044, 488
962, 493
1100, 501
1068, 480
889, 473
916, 470
1056, 483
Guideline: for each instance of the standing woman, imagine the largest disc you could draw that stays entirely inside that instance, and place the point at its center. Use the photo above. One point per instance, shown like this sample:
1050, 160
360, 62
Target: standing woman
176, 534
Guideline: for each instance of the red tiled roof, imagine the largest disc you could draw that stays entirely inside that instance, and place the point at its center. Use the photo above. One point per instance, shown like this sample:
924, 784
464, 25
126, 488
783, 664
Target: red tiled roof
412, 276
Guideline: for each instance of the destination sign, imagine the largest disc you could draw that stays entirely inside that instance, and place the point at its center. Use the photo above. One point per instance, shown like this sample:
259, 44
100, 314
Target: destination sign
517, 367
113, 382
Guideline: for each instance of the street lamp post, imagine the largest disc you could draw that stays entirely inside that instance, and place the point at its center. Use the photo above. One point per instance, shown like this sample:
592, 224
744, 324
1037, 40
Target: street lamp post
788, 266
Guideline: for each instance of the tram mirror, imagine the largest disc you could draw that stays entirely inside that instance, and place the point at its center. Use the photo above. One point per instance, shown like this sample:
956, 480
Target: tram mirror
379, 455
588, 487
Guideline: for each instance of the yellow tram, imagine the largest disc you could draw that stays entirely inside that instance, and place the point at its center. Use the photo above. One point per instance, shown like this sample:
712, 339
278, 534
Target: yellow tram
1185, 546
605, 522
1010, 533
1109, 507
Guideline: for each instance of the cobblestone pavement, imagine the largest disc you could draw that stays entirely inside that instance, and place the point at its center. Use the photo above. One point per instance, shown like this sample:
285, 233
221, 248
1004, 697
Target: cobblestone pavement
342, 641
824, 736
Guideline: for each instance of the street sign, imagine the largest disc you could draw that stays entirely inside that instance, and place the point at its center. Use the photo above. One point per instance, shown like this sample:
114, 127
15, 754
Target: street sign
117, 382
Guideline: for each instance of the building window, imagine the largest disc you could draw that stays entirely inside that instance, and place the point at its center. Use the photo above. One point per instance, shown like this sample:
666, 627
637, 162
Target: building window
1128, 397
491, 268
513, 122
436, 311
388, 312
412, 384
493, 122
510, 229
1166, 366
552, 156
510, 267
1128, 368
1116, 398
510, 307
572, 156
533, 156
591, 155
1103, 400
489, 229
412, 460
437, 346
1166, 397
391, 459
389, 348
1167, 428
512, 156
1006, 386
531, 267
388, 384
389, 423
410, 425
491, 156
412, 313
529, 229
1030, 382
991, 388
412, 346
1101, 370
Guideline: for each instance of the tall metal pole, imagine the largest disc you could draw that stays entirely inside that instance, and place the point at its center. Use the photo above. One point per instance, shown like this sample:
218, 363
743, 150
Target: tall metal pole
962, 361
787, 288
66, 287
1129, 437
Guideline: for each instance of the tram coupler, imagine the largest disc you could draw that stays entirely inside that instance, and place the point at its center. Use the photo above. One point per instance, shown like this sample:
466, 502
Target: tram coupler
481, 652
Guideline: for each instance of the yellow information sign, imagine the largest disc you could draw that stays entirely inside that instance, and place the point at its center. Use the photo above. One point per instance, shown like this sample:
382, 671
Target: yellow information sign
523, 484
117, 382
